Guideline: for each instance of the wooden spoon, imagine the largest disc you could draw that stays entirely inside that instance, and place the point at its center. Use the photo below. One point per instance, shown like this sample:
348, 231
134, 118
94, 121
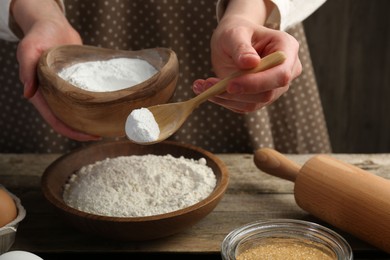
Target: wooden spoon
170, 117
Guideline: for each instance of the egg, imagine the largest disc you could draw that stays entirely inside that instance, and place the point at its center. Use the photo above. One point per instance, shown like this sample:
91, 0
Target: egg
7, 208
19, 255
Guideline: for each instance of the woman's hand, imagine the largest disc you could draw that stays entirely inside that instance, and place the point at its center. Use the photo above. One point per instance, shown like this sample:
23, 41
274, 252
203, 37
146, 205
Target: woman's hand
43, 28
239, 43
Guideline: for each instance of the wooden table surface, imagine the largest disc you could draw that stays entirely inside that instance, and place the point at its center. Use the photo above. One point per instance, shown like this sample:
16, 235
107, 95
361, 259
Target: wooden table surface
252, 195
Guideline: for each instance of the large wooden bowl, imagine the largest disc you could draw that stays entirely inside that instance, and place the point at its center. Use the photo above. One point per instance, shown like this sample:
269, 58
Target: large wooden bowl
104, 113
130, 228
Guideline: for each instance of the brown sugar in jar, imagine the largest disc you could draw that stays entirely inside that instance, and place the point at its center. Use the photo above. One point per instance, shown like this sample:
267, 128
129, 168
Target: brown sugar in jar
295, 249
285, 239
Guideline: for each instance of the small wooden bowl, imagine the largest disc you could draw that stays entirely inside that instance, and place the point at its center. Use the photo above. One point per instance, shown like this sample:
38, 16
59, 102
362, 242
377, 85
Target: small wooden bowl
130, 228
103, 113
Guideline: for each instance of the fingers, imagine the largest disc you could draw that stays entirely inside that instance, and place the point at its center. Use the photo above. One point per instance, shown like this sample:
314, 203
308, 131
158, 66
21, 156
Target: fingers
239, 48
238, 44
28, 60
201, 85
249, 103
251, 92
273, 78
32, 46
240, 103
259, 82
41, 105
233, 51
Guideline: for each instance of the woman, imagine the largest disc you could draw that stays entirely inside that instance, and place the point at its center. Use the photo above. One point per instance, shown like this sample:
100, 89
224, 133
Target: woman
256, 111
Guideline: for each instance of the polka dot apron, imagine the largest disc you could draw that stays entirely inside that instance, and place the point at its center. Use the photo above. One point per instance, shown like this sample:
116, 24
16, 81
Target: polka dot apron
293, 124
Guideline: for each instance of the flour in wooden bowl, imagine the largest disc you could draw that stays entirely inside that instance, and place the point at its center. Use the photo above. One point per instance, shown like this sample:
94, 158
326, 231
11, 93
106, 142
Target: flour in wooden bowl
108, 75
139, 185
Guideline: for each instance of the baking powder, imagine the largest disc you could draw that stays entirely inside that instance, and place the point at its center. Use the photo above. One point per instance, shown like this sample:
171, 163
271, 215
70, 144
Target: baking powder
139, 185
108, 75
141, 126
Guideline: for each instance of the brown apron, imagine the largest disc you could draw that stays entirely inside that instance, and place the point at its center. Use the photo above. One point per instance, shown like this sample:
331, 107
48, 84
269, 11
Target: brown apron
293, 124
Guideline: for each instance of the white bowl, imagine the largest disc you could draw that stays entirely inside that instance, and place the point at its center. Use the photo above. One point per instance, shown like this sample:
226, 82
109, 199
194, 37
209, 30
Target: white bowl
8, 232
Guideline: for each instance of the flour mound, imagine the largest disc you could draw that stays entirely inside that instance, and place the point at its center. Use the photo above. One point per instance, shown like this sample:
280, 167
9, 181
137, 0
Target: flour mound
141, 126
108, 75
139, 185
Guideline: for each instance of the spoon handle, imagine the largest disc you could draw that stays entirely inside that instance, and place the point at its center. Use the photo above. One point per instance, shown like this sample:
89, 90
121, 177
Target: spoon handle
267, 62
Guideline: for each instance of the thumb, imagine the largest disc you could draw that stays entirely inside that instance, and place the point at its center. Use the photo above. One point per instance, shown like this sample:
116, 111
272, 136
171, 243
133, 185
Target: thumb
241, 50
27, 70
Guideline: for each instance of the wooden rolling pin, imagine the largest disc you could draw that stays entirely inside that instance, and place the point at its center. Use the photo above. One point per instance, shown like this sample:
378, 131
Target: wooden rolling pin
336, 192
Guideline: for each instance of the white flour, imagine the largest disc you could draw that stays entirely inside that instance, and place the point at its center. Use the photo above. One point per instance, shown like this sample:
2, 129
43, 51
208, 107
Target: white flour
108, 75
141, 126
139, 185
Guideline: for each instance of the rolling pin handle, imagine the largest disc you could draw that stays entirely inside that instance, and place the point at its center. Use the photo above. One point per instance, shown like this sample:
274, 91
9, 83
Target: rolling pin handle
272, 162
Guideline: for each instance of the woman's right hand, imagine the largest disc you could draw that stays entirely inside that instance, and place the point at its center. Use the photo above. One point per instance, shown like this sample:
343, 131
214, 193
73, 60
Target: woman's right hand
43, 28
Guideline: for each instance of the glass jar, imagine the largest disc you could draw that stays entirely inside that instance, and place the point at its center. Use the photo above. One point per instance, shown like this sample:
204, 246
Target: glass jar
285, 239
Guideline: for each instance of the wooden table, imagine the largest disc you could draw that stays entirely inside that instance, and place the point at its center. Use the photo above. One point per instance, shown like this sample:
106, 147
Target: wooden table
252, 195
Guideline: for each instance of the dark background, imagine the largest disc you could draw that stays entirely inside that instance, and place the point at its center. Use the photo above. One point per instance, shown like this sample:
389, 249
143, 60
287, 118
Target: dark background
349, 42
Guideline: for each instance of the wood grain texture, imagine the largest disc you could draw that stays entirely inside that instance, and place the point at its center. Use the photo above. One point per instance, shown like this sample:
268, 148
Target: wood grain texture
104, 113
140, 228
349, 42
251, 195
347, 197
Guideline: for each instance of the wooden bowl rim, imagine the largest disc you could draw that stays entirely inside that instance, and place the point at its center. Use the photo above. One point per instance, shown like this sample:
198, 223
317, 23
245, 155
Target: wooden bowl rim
140, 90
216, 194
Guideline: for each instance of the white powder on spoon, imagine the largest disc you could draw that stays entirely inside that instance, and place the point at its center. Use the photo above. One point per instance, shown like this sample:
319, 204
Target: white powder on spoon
141, 126
108, 75
139, 185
